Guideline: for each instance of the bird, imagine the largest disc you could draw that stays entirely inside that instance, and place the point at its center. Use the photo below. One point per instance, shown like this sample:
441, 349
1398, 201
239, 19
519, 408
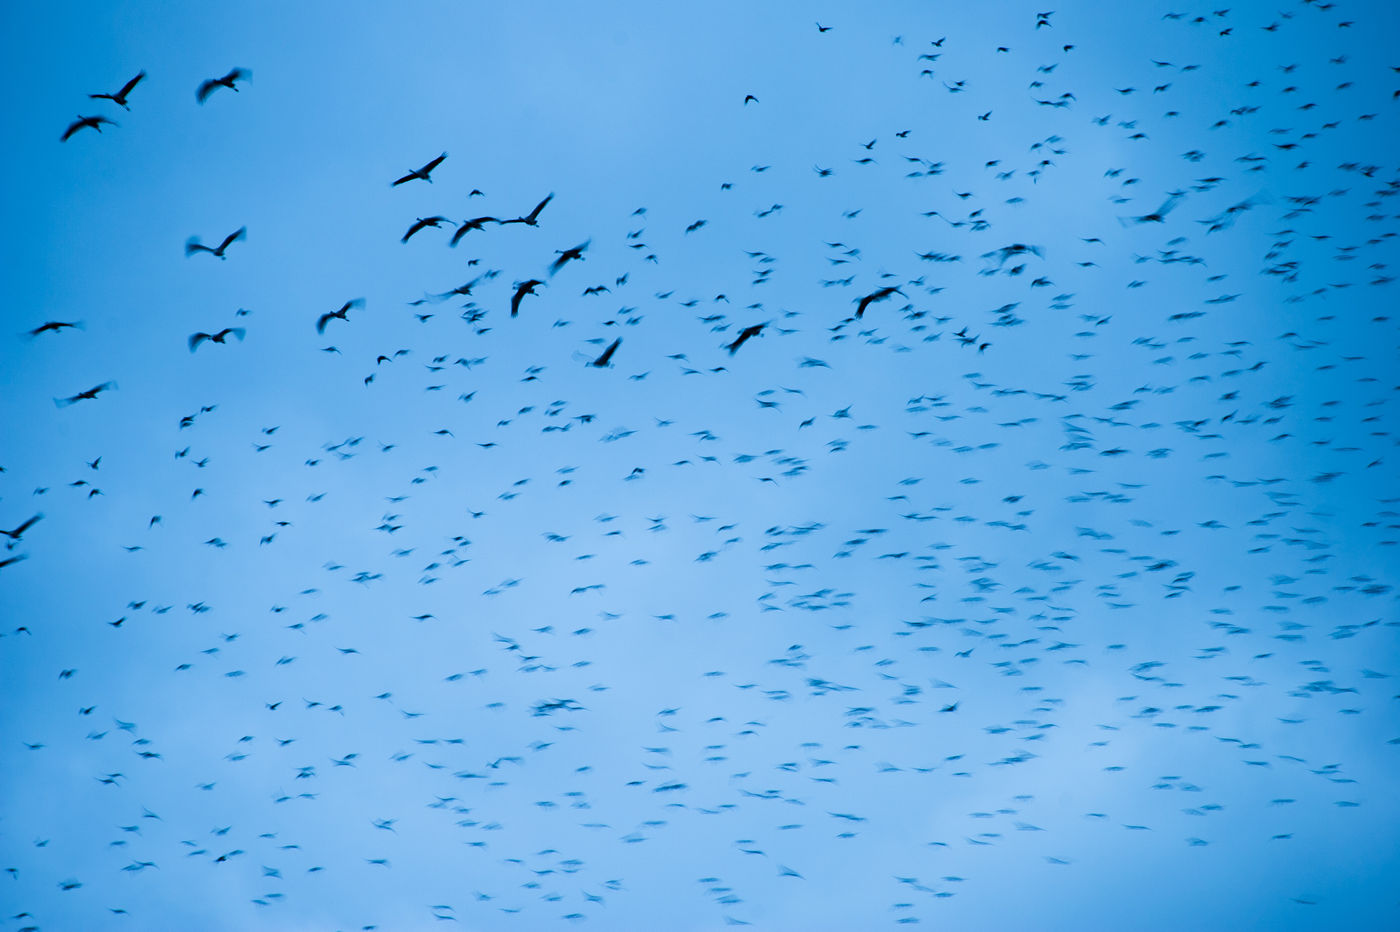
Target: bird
566, 254
119, 98
477, 223
338, 315
55, 326
422, 223
193, 245
88, 122
87, 395
879, 294
213, 84
744, 336
532, 218
521, 290
17, 533
220, 337
606, 356
422, 174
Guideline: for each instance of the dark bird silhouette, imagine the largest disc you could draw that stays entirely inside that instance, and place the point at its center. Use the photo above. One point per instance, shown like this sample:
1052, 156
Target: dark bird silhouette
82, 122
744, 336
604, 360
194, 245
1157, 216
119, 98
54, 326
421, 173
423, 223
340, 314
18, 532
478, 223
213, 84
566, 254
88, 395
220, 337
532, 218
749, 98
521, 291
877, 295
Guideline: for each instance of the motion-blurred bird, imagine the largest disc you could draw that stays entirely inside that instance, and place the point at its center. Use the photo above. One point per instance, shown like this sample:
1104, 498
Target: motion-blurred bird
228, 81
119, 98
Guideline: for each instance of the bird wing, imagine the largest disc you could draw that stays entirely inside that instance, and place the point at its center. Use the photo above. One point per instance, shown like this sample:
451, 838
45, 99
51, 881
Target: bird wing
205, 89
194, 245
433, 164
129, 86
198, 338
607, 355
233, 238
325, 319
534, 215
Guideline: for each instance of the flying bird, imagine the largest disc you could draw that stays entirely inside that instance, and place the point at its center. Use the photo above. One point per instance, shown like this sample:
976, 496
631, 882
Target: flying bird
604, 360
478, 223
88, 395
119, 98
744, 336
521, 291
193, 245
213, 84
220, 337
421, 173
18, 532
338, 315
566, 254
532, 218
54, 326
82, 122
423, 223
879, 294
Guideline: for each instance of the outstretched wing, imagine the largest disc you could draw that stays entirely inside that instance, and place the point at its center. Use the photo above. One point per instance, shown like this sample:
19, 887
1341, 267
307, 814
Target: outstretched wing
603, 360
198, 338
233, 238
129, 86
205, 89
534, 215
193, 245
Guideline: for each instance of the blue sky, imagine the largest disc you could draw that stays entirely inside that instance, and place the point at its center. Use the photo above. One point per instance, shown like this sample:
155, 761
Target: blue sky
1055, 591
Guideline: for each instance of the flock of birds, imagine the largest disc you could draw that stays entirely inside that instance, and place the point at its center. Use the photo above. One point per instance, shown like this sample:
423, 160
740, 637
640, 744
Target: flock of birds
899, 583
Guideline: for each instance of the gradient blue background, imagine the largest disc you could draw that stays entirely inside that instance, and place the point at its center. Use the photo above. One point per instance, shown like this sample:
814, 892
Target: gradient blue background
1144, 542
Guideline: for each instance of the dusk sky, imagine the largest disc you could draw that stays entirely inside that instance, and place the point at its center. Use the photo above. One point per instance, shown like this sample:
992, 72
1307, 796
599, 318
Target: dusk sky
810, 466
